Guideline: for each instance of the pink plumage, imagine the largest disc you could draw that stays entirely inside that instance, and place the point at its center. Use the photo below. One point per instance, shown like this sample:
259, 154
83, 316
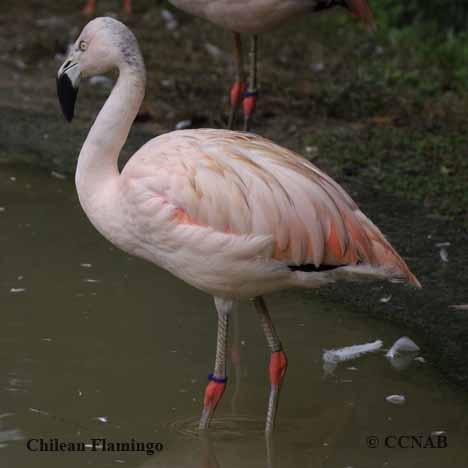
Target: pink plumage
245, 187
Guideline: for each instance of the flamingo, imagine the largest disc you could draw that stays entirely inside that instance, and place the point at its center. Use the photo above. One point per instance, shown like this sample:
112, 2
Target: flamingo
230, 213
254, 17
90, 7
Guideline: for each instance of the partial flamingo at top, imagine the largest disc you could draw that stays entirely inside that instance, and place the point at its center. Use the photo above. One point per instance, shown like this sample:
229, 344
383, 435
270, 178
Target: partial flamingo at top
255, 17
260, 16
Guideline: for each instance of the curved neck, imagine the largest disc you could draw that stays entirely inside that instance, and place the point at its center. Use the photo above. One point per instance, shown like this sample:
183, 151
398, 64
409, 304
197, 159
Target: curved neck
97, 163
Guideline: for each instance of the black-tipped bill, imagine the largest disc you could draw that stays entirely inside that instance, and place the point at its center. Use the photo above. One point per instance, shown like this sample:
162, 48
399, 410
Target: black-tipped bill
67, 90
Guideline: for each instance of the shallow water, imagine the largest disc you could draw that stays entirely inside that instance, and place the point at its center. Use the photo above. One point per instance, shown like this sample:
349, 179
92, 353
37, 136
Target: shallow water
95, 344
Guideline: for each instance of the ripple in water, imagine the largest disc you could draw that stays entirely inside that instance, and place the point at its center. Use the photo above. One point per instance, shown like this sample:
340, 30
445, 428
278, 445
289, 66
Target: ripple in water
226, 427
235, 426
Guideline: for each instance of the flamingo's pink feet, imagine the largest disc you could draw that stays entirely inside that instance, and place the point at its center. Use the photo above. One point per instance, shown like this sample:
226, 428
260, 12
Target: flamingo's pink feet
278, 365
248, 104
213, 393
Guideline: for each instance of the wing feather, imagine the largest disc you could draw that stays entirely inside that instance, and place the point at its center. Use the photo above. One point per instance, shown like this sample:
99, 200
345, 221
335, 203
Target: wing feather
244, 184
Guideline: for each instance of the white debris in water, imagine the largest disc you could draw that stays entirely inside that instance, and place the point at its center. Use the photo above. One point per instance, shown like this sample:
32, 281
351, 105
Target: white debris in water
17, 290
13, 179
47, 340
352, 368
396, 399
183, 124
443, 250
420, 359
58, 175
385, 299
459, 307
91, 280
20, 277
102, 419
402, 345
351, 352
86, 265
38, 411
438, 433
332, 357
169, 20
2, 209
402, 353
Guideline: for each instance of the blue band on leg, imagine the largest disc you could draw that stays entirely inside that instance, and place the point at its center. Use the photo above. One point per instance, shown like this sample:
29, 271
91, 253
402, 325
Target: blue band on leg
212, 378
250, 93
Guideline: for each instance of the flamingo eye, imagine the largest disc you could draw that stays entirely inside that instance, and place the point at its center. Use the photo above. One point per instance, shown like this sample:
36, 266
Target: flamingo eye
83, 45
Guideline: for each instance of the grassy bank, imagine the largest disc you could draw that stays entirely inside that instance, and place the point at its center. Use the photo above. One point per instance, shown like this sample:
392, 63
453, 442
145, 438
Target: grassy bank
402, 109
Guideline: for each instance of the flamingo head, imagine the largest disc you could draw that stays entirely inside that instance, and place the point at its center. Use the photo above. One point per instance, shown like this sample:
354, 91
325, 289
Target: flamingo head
103, 45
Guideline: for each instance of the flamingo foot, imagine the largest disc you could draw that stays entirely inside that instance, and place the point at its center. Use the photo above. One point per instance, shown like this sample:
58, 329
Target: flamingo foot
278, 365
213, 393
249, 103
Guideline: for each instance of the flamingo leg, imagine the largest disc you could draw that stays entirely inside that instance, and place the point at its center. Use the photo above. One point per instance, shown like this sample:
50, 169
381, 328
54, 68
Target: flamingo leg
250, 96
278, 362
238, 88
215, 388
89, 8
127, 5
235, 357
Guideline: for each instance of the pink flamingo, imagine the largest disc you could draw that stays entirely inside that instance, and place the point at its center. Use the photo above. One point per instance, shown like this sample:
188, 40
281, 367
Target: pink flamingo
90, 7
233, 214
255, 17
